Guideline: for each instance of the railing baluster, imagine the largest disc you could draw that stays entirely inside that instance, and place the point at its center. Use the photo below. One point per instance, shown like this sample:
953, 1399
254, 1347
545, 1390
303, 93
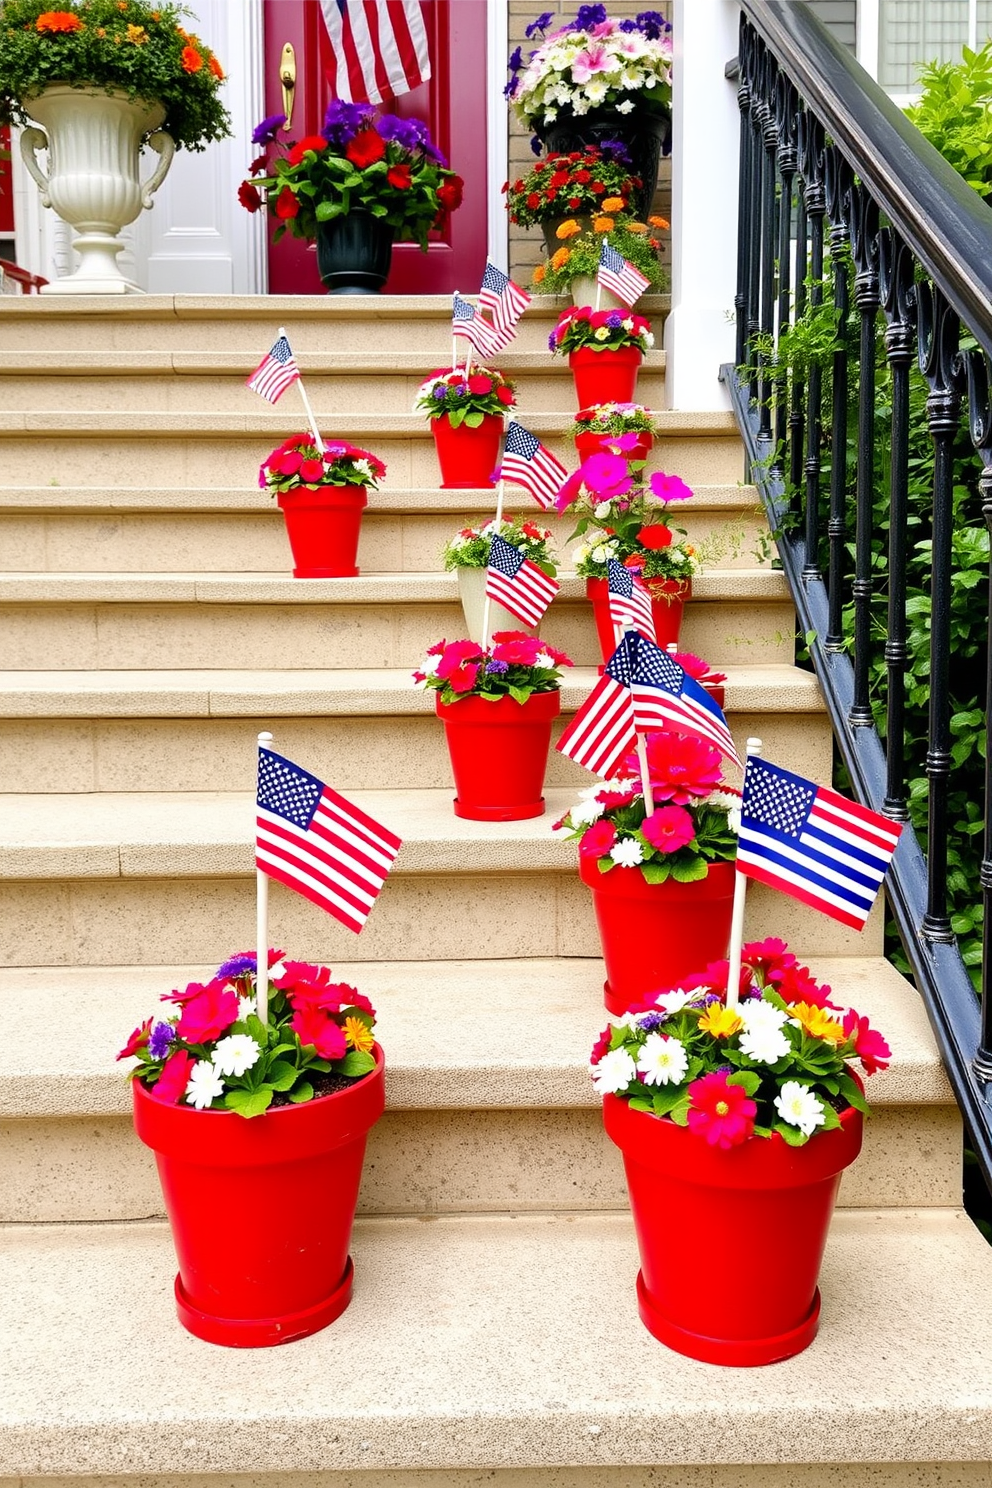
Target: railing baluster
864, 249
757, 155
811, 165
769, 141
798, 401
786, 110
839, 181
744, 204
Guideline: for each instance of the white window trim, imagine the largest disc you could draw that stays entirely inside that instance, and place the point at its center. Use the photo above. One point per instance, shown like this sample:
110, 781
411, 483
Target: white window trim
497, 142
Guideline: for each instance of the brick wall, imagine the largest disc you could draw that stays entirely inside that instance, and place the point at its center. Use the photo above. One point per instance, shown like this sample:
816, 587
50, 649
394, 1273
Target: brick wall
527, 244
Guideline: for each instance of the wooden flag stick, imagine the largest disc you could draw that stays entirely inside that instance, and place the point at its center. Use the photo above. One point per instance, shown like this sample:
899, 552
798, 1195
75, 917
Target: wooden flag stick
262, 927
642, 743
737, 920
599, 293
500, 489
306, 404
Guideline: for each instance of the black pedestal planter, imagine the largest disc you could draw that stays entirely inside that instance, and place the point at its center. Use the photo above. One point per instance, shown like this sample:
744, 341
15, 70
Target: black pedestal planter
643, 135
353, 253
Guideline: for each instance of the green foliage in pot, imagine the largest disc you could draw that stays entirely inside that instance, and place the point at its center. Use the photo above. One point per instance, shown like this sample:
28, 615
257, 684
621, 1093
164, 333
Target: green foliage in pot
578, 257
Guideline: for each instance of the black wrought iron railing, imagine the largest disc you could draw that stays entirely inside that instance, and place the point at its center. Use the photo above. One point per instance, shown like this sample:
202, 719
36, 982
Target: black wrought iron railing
833, 177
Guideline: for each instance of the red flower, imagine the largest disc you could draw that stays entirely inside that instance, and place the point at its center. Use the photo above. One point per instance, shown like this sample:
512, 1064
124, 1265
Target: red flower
259, 166
516, 647
454, 655
797, 984
314, 1027
479, 384
308, 142
505, 395
602, 1045
654, 536
287, 464
869, 1045
574, 201
205, 1016
450, 193
598, 188
669, 828
191, 59
365, 148
399, 176
722, 1113
462, 679
286, 204
138, 1040
597, 841
249, 196
560, 178
582, 177
170, 1086
682, 768
771, 957
534, 201
614, 800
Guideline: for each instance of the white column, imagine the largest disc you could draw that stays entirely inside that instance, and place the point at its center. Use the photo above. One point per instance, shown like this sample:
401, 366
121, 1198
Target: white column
497, 142
699, 332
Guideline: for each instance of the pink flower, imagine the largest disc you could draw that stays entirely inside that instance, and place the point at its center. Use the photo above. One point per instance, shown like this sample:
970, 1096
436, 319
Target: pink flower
605, 476
592, 60
138, 1040
171, 1083
682, 768
309, 986
206, 1016
869, 1045
771, 957
598, 840
669, 828
601, 1046
516, 648
462, 679
722, 1113
314, 1027
613, 800
669, 487
622, 442
454, 655
797, 984
695, 666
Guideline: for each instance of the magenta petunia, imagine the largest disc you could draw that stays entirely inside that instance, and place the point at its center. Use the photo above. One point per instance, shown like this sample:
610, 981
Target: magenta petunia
170, 1086
669, 487
720, 1112
869, 1045
597, 841
669, 828
315, 1028
206, 1016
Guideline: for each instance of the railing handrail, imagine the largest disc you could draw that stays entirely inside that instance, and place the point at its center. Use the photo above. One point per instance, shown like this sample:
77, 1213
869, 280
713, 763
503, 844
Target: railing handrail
942, 220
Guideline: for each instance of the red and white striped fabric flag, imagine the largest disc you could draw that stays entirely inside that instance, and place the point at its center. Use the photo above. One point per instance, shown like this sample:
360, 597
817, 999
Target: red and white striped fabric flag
603, 733
504, 300
526, 462
619, 276
315, 841
276, 373
378, 48
472, 324
630, 602
516, 583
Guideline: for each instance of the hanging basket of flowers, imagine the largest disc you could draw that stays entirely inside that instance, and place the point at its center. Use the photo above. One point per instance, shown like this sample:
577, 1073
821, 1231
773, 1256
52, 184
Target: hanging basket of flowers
466, 411
467, 554
604, 350
322, 497
736, 1117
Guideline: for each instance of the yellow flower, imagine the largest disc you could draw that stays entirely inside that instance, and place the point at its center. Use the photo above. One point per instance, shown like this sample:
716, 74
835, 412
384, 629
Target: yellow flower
567, 229
612, 204
137, 34
604, 224
560, 258
720, 1021
539, 274
637, 227
817, 1022
659, 221
358, 1034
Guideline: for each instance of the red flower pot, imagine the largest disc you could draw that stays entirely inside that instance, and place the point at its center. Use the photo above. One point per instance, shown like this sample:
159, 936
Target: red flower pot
261, 1210
652, 935
323, 525
691, 1199
499, 753
591, 444
467, 457
668, 598
604, 376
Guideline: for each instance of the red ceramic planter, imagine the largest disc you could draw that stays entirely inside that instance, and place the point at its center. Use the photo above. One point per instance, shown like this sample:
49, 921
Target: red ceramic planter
605, 376
668, 600
691, 1199
467, 457
323, 524
499, 753
653, 935
591, 444
261, 1210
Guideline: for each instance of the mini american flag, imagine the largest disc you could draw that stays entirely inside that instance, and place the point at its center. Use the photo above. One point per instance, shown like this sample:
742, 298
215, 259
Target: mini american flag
466, 321
506, 300
527, 463
516, 583
602, 733
378, 48
279, 371
316, 842
666, 697
619, 276
812, 843
630, 602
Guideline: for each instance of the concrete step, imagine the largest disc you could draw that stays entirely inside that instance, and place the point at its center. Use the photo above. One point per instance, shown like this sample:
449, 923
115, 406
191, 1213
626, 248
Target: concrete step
147, 731
224, 449
126, 879
221, 620
475, 1345
177, 531
511, 1125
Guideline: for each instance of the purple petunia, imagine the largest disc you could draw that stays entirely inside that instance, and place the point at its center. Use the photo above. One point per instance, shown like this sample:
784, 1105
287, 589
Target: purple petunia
266, 132
651, 1021
159, 1040
614, 320
243, 964
516, 60
497, 668
540, 25
614, 149
439, 391
588, 16
652, 24
409, 134
343, 121
536, 145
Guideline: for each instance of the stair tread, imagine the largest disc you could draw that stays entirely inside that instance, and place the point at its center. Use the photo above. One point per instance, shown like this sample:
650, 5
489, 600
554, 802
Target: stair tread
23, 363
484, 1065
488, 1341
349, 692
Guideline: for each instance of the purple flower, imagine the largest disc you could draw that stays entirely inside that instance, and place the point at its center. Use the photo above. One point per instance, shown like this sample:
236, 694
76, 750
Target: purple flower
343, 121
614, 149
552, 342
628, 26
496, 668
535, 145
651, 1021
159, 1040
243, 964
409, 134
510, 90
439, 391
614, 320
588, 16
652, 24
266, 132
516, 60
541, 24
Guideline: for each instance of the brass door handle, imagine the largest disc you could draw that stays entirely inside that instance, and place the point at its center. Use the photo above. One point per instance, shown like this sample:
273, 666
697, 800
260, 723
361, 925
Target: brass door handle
287, 77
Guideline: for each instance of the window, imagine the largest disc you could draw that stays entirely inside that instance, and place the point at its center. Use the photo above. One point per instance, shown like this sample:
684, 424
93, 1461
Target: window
911, 32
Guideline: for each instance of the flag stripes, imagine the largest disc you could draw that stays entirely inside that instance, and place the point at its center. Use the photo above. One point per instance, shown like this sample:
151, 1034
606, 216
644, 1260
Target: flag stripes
619, 276
602, 733
505, 300
630, 602
527, 463
467, 322
516, 583
275, 373
378, 48
666, 697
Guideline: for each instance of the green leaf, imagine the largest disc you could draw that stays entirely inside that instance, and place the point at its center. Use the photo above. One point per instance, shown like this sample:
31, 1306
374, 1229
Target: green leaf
790, 1134
302, 1092
655, 872
520, 694
248, 1102
852, 1092
355, 1062
474, 419
667, 1097
281, 1075
747, 1079
689, 871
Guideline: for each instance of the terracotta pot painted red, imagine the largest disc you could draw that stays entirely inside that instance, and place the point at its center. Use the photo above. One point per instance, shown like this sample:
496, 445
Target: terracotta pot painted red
591, 444
691, 1199
499, 754
668, 600
605, 376
653, 935
261, 1210
467, 457
323, 524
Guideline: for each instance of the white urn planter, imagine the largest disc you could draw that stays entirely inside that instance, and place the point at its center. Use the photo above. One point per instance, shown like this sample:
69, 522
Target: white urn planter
472, 593
583, 291
94, 142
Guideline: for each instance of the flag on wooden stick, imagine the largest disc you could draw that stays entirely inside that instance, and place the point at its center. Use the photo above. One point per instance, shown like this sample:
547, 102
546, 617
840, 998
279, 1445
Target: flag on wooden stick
466, 321
526, 462
516, 583
276, 373
602, 733
630, 602
378, 48
505, 300
619, 276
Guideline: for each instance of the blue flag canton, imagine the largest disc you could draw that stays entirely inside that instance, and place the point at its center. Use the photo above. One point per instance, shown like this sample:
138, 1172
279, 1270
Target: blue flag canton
286, 790
462, 309
776, 798
610, 259
281, 352
656, 668
520, 441
504, 556
619, 579
622, 664
494, 279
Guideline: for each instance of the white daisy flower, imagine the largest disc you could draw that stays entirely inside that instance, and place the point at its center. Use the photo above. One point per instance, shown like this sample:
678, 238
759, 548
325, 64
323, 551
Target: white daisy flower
614, 1072
627, 853
204, 1084
675, 1001
235, 1054
246, 1006
798, 1106
627, 107
662, 1061
586, 813
762, 1037
602, 510
542, 659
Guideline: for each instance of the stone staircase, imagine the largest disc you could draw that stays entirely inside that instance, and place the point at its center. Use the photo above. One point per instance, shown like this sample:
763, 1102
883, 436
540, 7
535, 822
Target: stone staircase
149, 629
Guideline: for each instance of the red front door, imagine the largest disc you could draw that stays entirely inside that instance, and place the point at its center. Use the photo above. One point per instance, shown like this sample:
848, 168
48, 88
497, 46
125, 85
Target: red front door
454, 105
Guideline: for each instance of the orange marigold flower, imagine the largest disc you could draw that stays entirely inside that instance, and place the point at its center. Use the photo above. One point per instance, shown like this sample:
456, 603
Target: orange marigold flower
637, 227
560, 258
612, 204
358, 1034
101, 31
122, 4
817, 1022
720, 1021
58, 20
659, 222
603, 224
539, 274
216, 68
137, 34
191, 59
567, 229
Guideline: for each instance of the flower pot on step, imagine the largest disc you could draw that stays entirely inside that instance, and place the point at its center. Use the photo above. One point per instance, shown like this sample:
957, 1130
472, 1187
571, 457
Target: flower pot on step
605, 376
690, 1199
467, 457
472, 593
668, 599
323, 524
652, 935
261, 1210
354, 253
499, 754
583, 291
590, 443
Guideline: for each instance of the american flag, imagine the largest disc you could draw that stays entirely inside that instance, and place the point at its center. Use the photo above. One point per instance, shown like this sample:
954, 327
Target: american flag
378, 48
516, 583
506, 300
630, 602
619, 276
527, 463
316, 842
602, 733
466, 321
666, 697
812, 843
279, 371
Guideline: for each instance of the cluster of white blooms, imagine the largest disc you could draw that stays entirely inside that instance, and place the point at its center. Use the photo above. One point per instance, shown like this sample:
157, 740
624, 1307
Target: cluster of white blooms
762, 1037
627, 852
798, 1106
599, 552
579, 71
233, 1055
614, 1071
662, 1060
730, 802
